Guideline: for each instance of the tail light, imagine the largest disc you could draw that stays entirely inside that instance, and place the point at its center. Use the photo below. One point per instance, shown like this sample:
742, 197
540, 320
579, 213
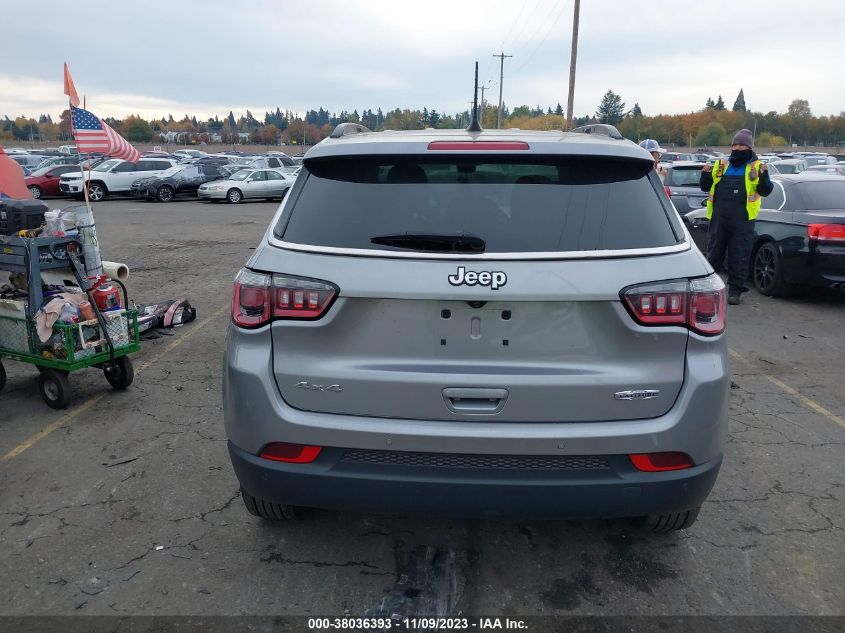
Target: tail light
830, 233
260, 298
659, 462
698, 304
668, 191
290, 453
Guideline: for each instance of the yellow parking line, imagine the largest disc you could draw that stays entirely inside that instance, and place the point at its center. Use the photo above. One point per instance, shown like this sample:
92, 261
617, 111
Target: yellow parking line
807, 402
62, 421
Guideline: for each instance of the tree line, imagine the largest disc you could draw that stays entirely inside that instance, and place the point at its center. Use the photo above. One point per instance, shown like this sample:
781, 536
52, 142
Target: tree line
713, 125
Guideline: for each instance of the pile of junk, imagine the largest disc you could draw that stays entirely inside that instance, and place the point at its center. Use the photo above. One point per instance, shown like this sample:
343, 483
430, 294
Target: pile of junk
62, 308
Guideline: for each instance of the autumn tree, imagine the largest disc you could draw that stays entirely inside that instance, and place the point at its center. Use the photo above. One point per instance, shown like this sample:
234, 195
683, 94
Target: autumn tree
136, 130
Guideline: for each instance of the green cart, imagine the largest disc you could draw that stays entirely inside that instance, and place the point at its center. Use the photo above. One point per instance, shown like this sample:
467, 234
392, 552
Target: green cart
103, 343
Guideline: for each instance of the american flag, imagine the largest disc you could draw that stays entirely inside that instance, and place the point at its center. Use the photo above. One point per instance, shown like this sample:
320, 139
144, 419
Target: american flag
93, 135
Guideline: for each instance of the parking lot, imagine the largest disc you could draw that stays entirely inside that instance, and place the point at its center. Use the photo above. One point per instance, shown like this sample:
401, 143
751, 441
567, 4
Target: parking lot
125, 503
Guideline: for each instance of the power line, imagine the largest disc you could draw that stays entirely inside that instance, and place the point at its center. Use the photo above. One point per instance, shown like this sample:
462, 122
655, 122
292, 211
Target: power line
552, 25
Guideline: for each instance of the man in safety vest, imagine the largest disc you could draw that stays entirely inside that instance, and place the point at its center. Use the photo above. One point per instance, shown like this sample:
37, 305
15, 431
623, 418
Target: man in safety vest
735, 186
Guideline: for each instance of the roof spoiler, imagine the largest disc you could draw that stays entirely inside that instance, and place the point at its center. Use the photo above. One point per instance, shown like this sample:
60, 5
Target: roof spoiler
347, 129
600, 128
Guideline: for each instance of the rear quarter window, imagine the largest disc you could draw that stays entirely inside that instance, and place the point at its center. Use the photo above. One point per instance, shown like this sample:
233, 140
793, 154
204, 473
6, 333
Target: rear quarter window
818, 196
532, 204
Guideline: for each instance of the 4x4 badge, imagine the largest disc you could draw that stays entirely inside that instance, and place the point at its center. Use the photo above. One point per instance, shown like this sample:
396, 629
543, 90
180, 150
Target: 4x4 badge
494, 279
306, 385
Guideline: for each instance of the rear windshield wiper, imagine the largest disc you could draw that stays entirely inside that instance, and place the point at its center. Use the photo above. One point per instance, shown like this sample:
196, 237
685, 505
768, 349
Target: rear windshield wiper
443, 243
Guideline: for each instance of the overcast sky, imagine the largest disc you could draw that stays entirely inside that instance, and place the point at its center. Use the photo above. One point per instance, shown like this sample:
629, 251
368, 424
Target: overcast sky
206, 57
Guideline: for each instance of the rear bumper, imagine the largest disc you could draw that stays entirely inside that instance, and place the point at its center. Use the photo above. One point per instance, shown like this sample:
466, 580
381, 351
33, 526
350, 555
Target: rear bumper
617, 490
823, 267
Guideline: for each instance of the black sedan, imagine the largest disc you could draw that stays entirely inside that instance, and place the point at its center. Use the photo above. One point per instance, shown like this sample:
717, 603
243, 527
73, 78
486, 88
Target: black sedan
179, 180
800, 234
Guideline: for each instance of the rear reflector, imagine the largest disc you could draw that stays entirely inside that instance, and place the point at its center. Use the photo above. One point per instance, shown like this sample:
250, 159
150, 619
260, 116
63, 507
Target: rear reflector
290, 453
479, 146
659, 462
832, 233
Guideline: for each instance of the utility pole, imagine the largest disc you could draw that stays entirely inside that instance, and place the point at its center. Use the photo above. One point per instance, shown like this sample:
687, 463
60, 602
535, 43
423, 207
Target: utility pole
483, 88
573, 57
501, 57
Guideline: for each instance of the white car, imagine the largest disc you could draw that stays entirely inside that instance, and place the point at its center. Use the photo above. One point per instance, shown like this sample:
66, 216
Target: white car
113, 176
248, 183
189, 153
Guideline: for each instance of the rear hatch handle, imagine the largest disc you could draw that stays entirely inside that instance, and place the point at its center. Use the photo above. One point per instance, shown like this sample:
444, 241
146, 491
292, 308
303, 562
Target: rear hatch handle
475, 400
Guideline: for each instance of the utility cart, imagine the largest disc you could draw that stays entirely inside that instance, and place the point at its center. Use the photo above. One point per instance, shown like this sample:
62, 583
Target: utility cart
103, 342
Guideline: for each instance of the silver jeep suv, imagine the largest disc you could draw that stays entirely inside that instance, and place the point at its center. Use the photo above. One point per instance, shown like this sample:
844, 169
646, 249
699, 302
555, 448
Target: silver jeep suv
496, 323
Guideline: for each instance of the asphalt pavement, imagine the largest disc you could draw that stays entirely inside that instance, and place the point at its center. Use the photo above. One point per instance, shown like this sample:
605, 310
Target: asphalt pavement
126, 503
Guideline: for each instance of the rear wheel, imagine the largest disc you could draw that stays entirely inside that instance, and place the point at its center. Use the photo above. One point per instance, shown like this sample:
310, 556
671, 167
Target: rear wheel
120, 374
269, 510
164, 193
36, 192
768, 271
97, 191
672, 521
54, 387
234, 196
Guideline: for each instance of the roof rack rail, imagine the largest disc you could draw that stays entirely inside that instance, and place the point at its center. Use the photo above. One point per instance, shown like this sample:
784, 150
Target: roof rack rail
347, 129
600, 128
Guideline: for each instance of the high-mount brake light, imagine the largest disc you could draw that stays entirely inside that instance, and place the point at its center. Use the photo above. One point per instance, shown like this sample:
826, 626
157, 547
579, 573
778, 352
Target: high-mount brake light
260, 298
698, 304
830, 233
478, 146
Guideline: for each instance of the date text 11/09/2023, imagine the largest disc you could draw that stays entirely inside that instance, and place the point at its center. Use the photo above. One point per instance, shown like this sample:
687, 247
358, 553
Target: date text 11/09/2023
417, 624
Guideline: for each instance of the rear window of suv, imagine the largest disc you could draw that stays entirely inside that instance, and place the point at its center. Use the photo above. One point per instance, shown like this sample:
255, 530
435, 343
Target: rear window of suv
532, 204
684, 177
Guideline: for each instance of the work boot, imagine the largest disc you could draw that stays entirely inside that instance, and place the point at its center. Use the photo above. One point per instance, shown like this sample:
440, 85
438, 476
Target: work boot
734, 297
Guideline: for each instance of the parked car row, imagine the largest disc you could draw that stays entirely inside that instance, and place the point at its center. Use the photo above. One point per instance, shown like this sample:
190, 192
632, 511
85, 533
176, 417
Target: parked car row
162, 176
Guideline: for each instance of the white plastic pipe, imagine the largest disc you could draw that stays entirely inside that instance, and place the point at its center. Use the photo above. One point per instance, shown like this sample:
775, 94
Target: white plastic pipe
116, 270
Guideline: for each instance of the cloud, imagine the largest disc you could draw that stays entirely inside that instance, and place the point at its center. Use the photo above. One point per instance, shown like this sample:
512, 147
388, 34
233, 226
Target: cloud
206, 59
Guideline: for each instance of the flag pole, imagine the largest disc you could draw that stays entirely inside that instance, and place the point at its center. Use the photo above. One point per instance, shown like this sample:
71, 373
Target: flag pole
88, 233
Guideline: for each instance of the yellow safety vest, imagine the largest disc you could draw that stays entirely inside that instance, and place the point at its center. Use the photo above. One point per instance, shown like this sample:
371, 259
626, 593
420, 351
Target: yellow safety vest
752, 177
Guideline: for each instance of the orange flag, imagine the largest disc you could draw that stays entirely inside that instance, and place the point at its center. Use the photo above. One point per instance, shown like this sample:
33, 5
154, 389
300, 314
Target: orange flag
70, 89
12, 184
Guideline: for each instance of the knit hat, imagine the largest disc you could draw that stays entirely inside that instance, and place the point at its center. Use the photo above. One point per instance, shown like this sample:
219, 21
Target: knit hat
743, 137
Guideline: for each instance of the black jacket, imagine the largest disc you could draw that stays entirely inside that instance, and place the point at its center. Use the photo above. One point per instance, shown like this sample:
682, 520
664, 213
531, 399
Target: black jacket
764, 185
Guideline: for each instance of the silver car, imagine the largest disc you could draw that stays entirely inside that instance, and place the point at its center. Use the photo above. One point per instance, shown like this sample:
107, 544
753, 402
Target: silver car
248, 183
503, 323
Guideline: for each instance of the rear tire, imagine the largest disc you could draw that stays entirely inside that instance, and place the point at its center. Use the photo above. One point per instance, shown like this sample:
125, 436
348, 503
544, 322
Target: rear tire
767, 270
672, 521
36, 192
54, 387
268, 510
121, 374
